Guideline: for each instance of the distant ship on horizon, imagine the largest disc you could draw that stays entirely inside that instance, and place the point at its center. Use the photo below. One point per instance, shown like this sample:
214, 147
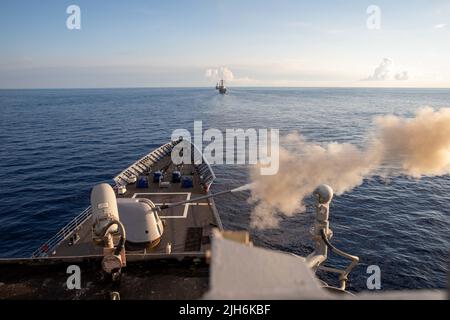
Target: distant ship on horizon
221, 87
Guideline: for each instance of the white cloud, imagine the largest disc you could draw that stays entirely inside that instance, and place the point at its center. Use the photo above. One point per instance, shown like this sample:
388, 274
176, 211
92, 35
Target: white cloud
381, 72
402, 76
440, 26
220, 73
211, 73
226, 74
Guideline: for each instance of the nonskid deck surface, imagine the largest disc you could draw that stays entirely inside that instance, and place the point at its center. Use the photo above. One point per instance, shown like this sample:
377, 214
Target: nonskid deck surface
187, 228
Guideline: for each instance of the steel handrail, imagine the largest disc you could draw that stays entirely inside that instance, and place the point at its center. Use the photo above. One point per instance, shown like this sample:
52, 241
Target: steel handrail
63, 234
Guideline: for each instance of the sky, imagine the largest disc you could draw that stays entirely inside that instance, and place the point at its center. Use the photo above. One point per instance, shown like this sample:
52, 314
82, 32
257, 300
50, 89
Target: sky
279, 43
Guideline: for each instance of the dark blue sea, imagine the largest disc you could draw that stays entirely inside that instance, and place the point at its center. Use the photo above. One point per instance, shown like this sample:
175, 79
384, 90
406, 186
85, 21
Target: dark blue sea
57, 144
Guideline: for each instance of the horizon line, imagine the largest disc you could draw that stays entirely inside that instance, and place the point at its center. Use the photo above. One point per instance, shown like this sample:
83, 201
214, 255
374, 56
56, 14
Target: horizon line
212, 87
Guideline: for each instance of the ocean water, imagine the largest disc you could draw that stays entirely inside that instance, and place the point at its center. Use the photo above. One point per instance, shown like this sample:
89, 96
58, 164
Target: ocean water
56, 144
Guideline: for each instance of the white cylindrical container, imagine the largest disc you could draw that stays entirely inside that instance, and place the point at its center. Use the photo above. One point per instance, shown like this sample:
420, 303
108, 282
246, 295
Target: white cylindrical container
104, 208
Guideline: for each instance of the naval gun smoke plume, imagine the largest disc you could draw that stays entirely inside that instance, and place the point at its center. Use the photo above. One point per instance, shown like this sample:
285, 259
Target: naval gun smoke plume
416, 147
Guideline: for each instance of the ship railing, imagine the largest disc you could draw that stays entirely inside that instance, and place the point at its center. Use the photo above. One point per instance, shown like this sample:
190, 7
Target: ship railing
145, 163
49, 246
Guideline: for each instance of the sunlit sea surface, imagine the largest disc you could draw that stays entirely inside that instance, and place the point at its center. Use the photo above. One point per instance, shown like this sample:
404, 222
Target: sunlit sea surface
57, 144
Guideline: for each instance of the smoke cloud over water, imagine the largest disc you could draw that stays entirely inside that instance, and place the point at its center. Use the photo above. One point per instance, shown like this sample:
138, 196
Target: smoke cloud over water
416, 147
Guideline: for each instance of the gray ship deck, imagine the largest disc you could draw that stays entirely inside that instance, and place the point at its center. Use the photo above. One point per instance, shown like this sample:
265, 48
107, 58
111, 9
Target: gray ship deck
187, 228
149, 274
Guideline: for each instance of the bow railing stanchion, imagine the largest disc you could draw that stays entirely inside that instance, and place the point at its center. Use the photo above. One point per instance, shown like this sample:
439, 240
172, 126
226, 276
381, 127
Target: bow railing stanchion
63, 234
